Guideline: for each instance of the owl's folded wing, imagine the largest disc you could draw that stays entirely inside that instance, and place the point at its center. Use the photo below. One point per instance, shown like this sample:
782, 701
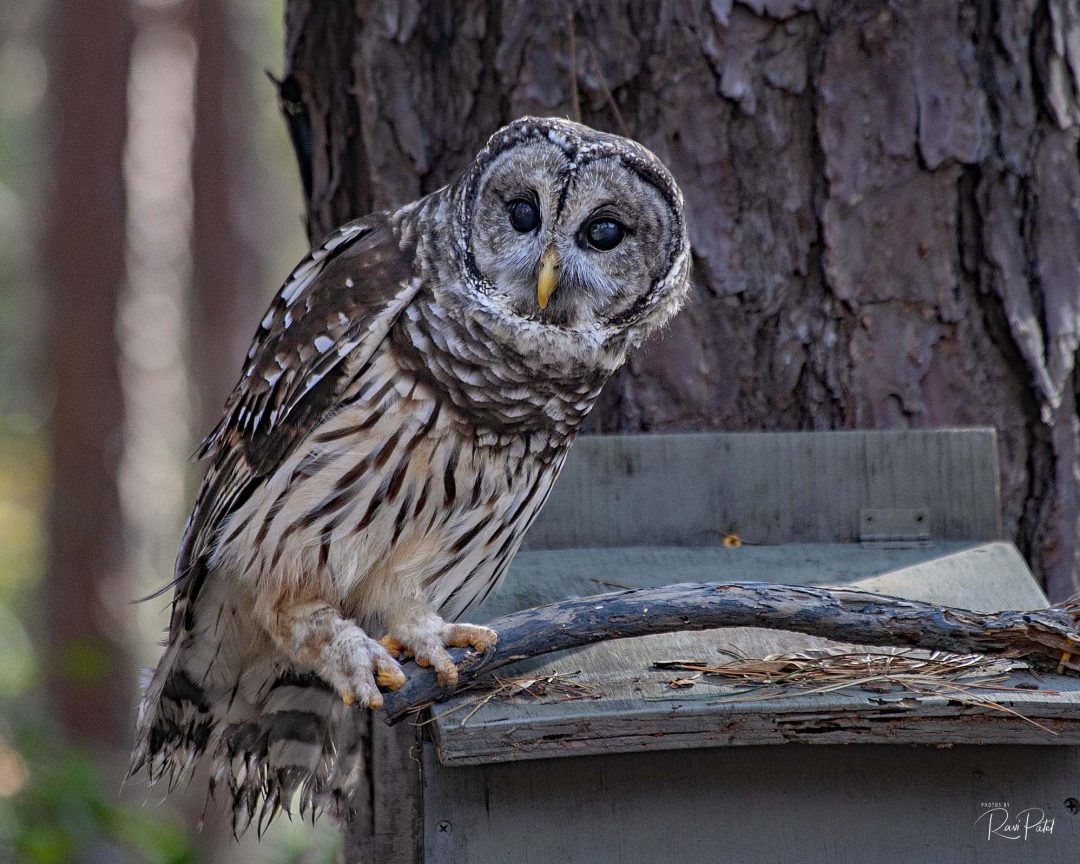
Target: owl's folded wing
340, 302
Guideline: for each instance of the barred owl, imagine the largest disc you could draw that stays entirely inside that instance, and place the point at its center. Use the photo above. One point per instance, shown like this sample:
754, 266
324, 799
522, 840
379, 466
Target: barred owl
406, 405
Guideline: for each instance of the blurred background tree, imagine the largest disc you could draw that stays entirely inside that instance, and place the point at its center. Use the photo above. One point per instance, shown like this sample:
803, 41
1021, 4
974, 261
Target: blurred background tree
885, 204
146, 195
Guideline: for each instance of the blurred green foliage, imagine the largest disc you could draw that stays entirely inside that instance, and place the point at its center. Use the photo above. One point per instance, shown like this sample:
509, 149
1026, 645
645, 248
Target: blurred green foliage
61, 815
22, 547
56, 807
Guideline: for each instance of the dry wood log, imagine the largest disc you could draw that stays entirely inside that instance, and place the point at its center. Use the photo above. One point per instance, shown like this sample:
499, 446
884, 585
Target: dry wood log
1046, 639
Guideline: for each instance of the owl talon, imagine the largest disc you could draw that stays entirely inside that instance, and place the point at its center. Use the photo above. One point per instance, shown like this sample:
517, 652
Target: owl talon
357, 666
427, 642
394, 648
480, 639
372, 698
390, 678
445, 669
447, 675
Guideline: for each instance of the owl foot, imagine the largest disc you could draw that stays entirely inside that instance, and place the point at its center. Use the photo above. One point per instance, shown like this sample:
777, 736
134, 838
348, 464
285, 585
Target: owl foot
427, 643
336, 648
357, 666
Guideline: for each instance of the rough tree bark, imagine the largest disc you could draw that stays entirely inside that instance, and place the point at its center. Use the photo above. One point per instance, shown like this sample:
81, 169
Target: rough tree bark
883, 198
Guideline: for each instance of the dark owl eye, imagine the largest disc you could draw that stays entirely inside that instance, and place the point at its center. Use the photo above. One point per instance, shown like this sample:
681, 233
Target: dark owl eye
604, 234
524, 215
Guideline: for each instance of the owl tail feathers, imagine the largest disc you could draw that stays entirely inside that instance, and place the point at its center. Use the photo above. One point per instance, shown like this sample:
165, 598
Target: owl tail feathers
174, 726
296, 744
299, 752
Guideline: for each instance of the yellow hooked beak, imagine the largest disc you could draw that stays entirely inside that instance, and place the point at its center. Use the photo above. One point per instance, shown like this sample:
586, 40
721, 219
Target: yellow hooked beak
549, 277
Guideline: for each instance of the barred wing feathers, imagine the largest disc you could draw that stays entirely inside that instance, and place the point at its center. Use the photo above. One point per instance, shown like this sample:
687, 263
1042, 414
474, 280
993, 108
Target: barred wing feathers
331, 315
340, 302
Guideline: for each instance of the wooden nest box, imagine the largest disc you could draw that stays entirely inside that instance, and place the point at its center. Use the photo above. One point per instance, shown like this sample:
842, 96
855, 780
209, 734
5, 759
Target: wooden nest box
601, 755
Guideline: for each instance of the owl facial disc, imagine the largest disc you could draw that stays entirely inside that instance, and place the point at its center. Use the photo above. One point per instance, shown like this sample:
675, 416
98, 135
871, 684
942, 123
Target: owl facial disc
565, 227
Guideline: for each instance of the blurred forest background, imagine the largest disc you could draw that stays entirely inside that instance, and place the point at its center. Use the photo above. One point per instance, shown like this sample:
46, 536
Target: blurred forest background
149, 206
884, 201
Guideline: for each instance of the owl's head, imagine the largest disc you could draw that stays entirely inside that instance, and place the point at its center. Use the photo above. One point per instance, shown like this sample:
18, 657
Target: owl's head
565, 227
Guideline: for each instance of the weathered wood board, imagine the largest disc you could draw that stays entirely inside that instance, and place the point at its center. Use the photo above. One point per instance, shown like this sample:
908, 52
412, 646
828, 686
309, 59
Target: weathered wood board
798, 487
656, 775
543, 576
756, 805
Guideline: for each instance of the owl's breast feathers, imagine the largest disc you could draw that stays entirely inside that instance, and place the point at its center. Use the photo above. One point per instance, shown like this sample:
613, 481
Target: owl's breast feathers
394, 494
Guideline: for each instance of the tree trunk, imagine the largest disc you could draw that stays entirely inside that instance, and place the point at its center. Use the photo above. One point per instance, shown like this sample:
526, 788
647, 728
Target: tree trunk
883, 198
83, 251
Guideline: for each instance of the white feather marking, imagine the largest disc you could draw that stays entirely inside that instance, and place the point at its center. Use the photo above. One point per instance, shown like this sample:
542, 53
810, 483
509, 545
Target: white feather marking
346, 234
323, 344
557, 138
346, 347
302, 277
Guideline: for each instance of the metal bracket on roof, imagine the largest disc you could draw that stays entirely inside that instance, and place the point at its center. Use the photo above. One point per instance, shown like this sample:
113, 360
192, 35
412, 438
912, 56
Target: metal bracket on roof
894, 527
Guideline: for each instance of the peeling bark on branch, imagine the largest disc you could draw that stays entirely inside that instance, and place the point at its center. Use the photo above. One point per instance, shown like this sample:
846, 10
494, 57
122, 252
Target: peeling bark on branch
1045, 638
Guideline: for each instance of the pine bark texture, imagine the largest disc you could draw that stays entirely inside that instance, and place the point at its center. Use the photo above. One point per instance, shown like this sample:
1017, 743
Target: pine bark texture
884, 198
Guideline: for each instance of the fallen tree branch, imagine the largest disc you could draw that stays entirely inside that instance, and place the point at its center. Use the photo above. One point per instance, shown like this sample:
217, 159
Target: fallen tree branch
1046, 639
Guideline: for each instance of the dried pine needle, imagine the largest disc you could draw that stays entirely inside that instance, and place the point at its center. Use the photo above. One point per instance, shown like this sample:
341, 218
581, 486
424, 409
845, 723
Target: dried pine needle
555, 686
965, 678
